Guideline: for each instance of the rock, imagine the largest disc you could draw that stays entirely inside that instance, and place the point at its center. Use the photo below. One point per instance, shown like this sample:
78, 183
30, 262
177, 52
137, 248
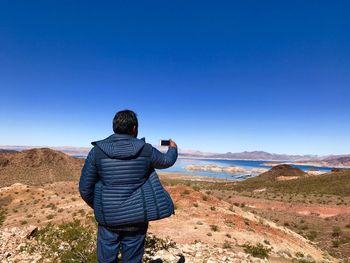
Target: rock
32, 232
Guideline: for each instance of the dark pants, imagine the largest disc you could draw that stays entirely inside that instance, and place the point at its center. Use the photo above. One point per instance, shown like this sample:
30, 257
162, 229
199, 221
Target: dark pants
131, 243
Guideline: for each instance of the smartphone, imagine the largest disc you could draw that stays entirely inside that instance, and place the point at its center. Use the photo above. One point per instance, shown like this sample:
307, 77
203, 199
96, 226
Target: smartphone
164, 142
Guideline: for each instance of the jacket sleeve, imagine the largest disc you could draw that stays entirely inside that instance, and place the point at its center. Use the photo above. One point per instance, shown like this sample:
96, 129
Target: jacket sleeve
88, 179
163, 160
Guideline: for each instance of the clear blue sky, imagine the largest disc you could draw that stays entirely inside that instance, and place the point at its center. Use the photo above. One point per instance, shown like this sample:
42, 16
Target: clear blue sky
213, 75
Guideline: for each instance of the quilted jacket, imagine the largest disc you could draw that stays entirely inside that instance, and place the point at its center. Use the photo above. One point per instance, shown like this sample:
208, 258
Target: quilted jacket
120, 183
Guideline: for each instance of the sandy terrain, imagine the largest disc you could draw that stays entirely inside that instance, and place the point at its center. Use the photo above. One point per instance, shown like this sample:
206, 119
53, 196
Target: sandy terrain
199, 217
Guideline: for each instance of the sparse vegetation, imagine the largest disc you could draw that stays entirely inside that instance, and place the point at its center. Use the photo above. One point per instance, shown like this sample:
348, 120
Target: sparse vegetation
336, 231
226, 245
50, 216
68, 242
196, 188
337, 184
259, 251
185, 192
52, 206
81, 212
303, 260
312, 235
3, 214
267, 242
214, 228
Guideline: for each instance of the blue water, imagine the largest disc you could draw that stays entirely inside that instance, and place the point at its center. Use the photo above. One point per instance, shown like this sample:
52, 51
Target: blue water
181, 163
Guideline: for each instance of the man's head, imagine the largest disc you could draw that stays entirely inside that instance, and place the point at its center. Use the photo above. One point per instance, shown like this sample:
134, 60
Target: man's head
125, 122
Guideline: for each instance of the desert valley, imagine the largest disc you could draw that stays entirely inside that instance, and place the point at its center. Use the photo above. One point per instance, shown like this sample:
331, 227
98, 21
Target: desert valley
282, 215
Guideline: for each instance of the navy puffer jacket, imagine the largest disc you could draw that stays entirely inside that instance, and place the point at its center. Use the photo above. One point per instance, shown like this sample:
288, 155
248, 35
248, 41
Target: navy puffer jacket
119, 181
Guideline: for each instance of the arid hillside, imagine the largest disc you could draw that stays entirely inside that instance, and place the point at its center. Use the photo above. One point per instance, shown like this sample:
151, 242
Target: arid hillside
38, 166
203, 226
261, 219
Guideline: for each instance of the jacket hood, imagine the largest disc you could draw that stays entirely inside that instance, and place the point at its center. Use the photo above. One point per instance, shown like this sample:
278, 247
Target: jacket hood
120, 145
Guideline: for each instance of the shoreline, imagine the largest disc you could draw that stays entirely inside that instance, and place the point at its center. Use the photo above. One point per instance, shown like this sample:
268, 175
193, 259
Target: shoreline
192, 177
275, 162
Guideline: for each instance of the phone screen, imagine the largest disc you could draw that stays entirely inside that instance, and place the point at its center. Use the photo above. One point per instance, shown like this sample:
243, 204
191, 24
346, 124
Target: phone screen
164, 142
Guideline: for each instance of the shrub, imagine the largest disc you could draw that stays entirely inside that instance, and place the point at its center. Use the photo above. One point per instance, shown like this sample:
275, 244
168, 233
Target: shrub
50, 216
336, 231
212, 208
81, 212
267, 242
196, 188
52, 206
303, 260
185, 192
214, 228
226, 245
311, 235
3, 213
304, 227
335, 243
259, 251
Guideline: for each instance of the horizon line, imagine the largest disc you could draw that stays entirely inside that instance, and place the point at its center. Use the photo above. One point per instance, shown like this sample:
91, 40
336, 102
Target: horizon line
183, 150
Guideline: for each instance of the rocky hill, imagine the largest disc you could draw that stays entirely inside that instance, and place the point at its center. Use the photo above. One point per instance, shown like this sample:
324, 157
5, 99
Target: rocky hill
38, 166
283, 172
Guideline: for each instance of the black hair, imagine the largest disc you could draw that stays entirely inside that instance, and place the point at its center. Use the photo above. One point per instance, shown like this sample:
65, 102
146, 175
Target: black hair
124, 121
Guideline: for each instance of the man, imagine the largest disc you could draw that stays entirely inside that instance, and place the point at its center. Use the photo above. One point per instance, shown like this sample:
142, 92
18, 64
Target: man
119, 160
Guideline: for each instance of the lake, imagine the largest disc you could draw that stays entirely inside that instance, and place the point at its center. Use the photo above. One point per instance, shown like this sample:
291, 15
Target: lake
181, 163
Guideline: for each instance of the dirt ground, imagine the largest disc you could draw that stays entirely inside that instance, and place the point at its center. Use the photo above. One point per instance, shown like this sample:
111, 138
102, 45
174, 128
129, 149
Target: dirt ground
199, 216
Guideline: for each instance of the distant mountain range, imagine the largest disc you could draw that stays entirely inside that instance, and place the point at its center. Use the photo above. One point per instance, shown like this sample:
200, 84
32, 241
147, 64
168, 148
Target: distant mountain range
330, 160
253, 155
